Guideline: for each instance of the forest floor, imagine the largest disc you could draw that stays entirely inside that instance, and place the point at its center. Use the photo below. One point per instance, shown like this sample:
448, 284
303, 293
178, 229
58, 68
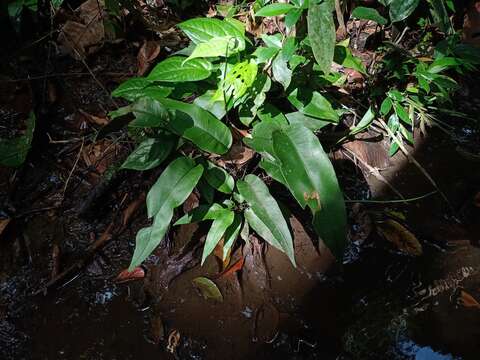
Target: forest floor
407, 288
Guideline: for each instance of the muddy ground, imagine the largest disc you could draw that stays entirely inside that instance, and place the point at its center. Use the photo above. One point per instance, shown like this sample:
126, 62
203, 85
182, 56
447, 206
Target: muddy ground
70, 223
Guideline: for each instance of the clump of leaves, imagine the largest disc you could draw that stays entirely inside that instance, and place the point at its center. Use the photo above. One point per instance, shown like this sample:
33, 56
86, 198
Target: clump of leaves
235, 85
273, 93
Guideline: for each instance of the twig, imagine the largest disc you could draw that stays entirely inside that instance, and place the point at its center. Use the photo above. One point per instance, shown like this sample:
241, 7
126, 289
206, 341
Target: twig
341, 22
73, 168
413, 160
375, 172
393, 201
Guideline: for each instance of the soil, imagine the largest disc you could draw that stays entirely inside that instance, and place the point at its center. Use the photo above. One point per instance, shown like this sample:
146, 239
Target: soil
68, 205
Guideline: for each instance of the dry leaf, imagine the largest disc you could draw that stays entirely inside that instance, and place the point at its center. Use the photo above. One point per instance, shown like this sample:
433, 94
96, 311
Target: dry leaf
147, 54
400, 236
132, 208
238, 155
173, 341
126, 276
237, 266
467, 300
471, 25
208, 289
3, 224
94, 119
158, 330
84, 37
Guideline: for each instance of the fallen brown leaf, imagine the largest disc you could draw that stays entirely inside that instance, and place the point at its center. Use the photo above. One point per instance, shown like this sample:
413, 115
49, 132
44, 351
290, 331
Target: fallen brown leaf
85, 36
238, 155
126, 276
131, 209
400, 236
173, 341
467, 300
237, 266
3, 224
147, 53
94, 119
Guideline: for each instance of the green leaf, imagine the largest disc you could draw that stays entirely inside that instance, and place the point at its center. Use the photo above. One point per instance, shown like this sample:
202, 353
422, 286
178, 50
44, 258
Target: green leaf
173, 186
129, 89
343, 56
280, 70
321, 32
401, 9
219, 178
274, 41
150, 153
216, 232
13, 152
231, 235
176, 69
202, 30
274, 9
206, 102
261, 140
402, 113
256, 96
309, 122
149, 113
365, 13
292, 17
199, 126
201, 213
310, 177
224, 46
239, 79
149, 238
208, 289
264, 54
264, 215
314, 104
386, 106
364, 123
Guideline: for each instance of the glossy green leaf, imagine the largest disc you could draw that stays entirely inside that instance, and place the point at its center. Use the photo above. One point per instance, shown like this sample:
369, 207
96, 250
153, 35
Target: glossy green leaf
149, 113
176, 69
343, 56
310, 177
199, 126
201, 30
216, 232
321, 32
201, 213
207, 102
312, 103
309, 122
401, 9
208, 289
366, 13
274, 41
264, 54
130, 89
239, 79
231, 235
274, 9
386, 106
216, 47
364, 122
292, 17
173, 186
402, 113
281, 72
13, 152
150, 153
264, 215
219, 178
